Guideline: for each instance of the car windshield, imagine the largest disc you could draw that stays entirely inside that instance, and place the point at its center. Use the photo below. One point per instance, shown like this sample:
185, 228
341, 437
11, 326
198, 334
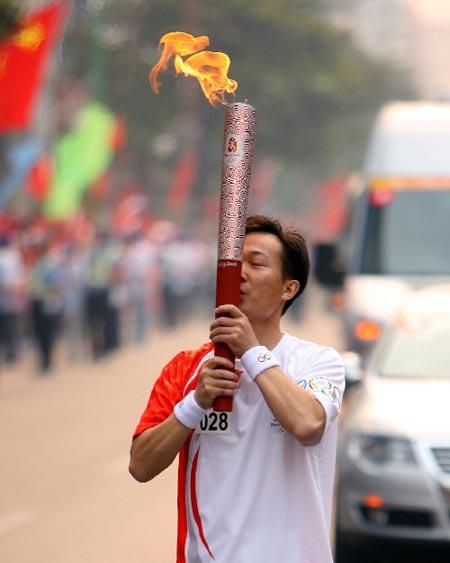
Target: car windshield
409, 234
419, 346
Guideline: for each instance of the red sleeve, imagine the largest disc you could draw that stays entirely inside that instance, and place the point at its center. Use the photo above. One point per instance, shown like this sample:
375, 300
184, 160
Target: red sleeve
169, 387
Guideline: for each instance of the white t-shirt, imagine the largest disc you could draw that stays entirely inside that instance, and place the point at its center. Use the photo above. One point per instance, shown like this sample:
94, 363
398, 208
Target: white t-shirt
249, 492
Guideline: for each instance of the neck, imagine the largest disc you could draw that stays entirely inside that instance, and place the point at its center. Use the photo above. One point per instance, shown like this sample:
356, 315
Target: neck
268, 334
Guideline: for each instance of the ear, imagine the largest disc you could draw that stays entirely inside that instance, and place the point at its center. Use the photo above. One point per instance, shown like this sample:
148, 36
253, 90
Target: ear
291, 287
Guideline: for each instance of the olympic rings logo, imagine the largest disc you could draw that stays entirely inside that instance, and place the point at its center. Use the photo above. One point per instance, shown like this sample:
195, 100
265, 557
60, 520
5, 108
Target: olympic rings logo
264, 356
319, 385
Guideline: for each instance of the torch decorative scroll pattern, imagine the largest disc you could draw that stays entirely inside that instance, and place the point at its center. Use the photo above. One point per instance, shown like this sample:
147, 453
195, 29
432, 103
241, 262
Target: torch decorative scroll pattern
239, 141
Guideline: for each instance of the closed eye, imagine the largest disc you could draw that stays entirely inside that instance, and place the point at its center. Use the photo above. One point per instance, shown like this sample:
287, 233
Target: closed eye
257, 259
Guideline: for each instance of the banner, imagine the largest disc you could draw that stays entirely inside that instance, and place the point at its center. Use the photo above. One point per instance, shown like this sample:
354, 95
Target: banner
22, 65
81, 157
182, 182
19, 159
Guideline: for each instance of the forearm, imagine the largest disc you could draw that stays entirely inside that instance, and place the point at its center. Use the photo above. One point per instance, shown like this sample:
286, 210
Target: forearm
156, 448
297, 410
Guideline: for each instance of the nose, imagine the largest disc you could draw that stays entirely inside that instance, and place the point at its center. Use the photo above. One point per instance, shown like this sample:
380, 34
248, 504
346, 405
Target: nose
243, 272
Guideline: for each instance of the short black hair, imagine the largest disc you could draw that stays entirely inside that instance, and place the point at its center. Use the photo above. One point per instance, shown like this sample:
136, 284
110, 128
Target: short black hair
295, 259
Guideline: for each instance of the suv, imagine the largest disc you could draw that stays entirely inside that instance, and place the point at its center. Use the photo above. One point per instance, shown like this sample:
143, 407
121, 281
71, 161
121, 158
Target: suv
398, 231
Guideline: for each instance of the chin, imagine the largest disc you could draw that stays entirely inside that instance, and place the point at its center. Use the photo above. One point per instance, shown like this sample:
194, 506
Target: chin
243, 307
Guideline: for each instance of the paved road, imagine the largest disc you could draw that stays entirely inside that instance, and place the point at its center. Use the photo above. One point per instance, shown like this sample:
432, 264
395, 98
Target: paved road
65, 492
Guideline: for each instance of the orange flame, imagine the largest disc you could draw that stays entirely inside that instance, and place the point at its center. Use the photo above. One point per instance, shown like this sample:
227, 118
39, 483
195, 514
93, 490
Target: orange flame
209, 67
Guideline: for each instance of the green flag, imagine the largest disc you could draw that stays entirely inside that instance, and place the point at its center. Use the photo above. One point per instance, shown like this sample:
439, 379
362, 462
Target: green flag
81, 157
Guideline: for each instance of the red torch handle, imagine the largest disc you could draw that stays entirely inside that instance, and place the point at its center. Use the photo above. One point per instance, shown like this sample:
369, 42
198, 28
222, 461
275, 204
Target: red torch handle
227, 291
223, 404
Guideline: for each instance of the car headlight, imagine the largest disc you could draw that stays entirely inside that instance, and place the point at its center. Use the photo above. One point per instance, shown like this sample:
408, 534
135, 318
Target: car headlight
382, 449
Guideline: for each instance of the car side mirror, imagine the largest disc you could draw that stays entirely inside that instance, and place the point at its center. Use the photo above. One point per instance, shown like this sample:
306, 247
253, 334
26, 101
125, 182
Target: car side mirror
353, 368
327, 266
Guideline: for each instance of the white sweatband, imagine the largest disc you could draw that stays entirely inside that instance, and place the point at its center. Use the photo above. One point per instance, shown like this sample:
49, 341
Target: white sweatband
188, 411
258, 359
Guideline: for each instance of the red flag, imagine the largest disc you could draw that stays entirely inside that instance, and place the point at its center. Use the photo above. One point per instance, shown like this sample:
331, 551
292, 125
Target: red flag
40, 177
263, 182
100, 186
333, 206
183, 179
22, 64
129, 214
119, 135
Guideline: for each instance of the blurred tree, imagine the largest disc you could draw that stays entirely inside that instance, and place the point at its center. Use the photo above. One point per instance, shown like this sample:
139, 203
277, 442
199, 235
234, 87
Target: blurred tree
9, 17
314, 90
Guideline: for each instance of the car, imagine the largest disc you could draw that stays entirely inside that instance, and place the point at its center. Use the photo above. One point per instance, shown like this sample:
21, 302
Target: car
393, 459
398, 227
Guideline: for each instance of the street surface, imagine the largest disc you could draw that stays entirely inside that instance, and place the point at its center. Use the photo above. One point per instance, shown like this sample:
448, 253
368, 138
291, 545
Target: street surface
66, 494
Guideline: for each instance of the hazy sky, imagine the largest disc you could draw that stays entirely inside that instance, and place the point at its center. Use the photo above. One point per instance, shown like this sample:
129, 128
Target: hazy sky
434, 10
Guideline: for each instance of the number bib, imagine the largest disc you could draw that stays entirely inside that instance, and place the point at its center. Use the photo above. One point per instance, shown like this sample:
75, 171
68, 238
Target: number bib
215, 422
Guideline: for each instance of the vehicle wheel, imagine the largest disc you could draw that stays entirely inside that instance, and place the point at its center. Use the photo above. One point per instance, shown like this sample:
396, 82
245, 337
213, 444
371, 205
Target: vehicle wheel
346, 551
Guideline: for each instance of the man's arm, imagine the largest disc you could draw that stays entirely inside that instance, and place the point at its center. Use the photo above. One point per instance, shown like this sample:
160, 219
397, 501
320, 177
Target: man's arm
296, 409
319, 393
156, 448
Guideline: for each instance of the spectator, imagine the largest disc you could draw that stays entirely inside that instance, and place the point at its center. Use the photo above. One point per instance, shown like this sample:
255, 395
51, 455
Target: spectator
12, 298
104, 295
46, 303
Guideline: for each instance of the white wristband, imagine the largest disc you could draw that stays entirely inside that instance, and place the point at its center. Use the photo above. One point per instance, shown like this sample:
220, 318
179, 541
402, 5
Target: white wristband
188, 411
258, 359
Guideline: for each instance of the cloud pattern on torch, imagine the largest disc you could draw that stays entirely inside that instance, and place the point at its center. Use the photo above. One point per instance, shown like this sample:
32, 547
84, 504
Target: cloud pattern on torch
238, 147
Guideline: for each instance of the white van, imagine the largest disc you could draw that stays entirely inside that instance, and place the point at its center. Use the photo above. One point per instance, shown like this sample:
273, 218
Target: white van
398, 233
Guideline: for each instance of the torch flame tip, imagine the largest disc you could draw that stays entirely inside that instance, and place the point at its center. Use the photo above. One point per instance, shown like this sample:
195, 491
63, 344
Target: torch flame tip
209, 67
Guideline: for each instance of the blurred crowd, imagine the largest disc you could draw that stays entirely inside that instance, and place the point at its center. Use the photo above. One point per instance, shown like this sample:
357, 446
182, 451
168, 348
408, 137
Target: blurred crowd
90, 297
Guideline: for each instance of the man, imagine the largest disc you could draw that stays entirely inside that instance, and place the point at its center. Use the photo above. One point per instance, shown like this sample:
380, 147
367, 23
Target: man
46, 292
12, 298
104, 294
257, 486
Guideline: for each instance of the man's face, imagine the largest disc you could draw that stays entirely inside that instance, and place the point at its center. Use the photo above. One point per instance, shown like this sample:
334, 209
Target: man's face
262, 284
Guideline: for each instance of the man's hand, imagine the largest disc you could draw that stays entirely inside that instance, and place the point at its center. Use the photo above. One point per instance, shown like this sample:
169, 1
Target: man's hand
233, 328
217, 378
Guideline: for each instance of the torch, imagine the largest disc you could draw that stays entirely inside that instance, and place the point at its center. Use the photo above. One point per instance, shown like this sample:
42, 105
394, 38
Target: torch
238, 145
211, 70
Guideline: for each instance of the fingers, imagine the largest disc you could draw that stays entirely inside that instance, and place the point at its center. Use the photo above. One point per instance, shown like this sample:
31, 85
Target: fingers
218, 332
217, 378
217, 363
217, 374
228, 310
227, 317
218, 384
234, 330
